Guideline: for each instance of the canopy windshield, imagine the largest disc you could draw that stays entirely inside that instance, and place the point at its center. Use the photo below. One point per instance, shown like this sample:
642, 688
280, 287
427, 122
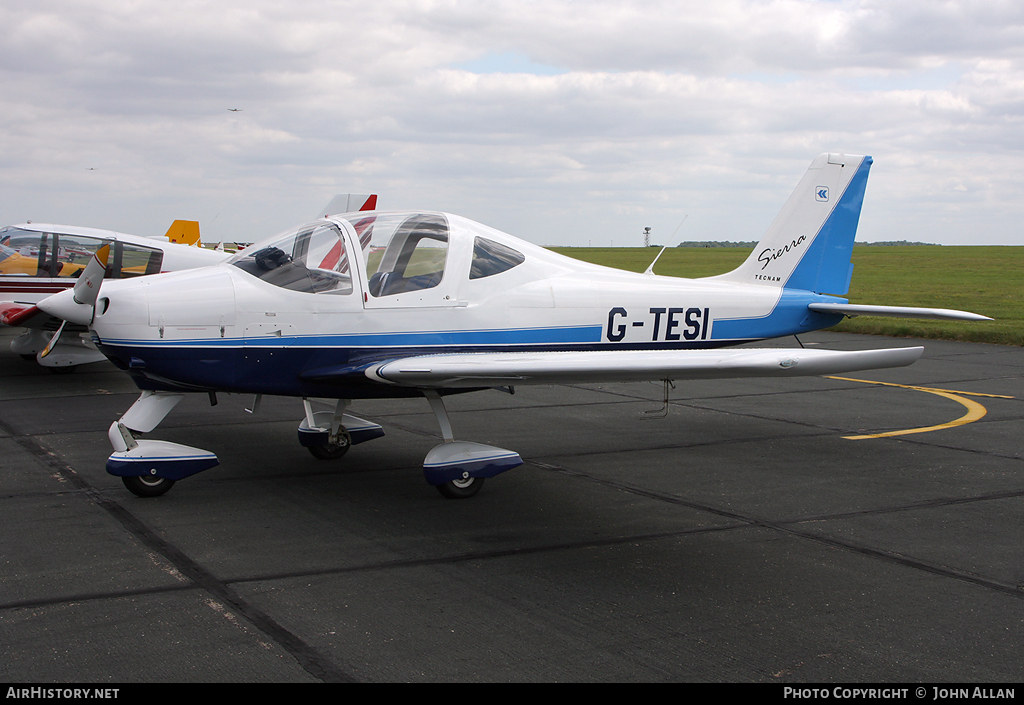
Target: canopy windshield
311, 259
402, 252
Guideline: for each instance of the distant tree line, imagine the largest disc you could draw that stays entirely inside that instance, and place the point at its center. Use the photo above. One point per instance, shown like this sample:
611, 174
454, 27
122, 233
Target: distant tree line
896, 242
751, 245
717, 243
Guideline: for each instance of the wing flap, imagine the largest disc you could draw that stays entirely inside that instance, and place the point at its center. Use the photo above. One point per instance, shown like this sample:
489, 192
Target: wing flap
474, 370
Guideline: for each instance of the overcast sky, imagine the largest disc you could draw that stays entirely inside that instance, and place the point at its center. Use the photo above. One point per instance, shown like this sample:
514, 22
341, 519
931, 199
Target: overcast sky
558, 121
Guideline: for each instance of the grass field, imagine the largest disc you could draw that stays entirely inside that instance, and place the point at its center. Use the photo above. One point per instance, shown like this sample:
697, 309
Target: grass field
985, 280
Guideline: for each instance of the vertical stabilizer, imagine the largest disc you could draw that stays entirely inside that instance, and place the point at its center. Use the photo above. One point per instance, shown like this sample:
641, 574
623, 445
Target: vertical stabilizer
185, 232
809, 244
349, 203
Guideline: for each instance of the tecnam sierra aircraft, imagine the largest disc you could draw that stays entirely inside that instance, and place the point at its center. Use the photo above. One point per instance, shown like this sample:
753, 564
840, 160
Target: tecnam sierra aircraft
419, 304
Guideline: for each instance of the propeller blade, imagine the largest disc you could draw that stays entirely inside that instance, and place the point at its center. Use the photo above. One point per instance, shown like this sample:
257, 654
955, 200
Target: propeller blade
87, 288
53, 341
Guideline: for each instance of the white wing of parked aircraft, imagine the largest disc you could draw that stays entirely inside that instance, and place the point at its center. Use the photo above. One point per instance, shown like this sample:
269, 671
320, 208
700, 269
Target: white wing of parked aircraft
425, 304
39, 259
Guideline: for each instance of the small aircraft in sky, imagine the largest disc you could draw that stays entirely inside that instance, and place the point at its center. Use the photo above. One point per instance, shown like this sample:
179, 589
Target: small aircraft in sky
378, 304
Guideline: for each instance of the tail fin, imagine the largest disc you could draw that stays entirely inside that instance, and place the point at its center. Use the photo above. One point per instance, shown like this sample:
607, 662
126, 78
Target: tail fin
184, 231
810, 243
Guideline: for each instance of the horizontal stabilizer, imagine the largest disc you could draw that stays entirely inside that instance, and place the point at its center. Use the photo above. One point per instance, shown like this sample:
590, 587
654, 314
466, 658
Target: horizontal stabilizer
475, 370
898, 312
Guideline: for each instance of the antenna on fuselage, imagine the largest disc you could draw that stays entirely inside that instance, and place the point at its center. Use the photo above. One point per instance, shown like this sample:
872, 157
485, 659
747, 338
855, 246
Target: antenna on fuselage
650, 269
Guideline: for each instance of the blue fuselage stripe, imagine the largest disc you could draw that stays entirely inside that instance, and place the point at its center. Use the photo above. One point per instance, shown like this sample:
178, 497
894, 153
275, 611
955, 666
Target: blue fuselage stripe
513, 336
790, 316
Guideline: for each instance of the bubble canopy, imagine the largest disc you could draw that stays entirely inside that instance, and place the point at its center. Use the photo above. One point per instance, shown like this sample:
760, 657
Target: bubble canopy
401, 252
311, 258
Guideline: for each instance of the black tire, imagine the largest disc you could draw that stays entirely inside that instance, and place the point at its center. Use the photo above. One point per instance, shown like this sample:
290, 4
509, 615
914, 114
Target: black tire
461, 489
147, 485
332, 451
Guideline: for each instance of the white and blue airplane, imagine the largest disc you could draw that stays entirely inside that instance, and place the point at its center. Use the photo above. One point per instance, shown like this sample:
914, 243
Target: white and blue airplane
421, 304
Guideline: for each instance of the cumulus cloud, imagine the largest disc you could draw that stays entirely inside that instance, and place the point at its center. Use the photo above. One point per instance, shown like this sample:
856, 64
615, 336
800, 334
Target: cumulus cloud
560, 121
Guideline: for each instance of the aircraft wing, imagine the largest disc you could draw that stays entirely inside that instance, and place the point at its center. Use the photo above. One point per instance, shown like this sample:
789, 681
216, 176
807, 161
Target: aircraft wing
26, 316
475, 370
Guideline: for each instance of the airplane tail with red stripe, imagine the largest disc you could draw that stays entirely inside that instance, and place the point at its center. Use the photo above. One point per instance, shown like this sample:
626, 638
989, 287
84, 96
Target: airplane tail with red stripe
349, 203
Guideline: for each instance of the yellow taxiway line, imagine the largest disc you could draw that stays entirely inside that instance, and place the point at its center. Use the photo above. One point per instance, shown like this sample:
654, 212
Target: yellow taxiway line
974, 410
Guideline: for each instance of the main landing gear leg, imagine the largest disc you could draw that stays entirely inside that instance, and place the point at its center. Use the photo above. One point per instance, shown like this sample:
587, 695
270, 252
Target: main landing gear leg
338, 440
457, 468
329, 434
150, 468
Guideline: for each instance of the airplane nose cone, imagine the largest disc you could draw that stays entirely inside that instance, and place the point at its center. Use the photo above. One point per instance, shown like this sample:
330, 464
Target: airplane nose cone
63, 305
